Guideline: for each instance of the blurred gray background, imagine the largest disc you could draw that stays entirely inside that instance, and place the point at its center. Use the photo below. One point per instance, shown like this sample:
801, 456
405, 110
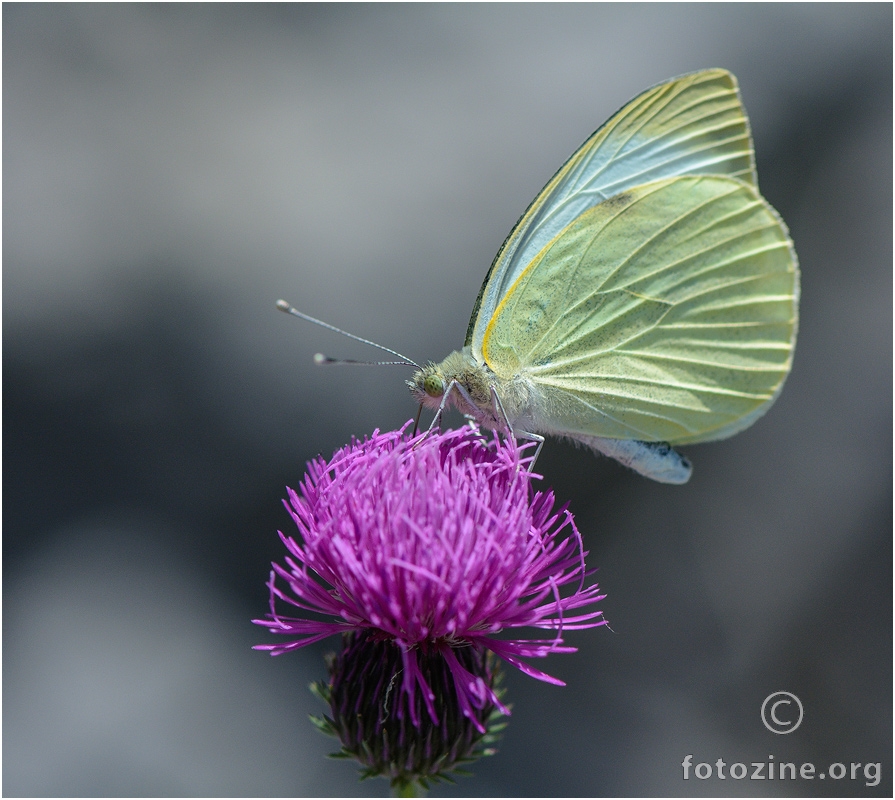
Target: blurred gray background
169, 171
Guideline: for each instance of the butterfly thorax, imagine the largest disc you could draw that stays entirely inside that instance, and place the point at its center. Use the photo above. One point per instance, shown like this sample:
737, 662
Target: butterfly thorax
470, 383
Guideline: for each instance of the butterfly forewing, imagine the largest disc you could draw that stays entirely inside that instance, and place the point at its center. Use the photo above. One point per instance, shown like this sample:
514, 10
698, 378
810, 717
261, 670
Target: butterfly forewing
687, 126
667, 313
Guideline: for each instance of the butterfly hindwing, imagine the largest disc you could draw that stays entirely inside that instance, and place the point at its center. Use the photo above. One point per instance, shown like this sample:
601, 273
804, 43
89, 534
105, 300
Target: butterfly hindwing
667, 313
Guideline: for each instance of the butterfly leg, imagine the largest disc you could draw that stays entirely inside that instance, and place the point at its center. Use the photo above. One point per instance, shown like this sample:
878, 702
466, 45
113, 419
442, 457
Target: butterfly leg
471, 420
437, 418
532, 437
463, 392
500, 413
656, 460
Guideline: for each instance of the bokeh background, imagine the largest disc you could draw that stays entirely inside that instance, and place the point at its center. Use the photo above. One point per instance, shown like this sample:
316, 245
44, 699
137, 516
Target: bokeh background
169, 171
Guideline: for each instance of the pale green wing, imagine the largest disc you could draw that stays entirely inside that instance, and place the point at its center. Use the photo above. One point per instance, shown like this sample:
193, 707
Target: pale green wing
667, 313
692, 125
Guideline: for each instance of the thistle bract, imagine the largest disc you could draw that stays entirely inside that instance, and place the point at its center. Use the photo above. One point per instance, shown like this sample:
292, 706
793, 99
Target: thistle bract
369, 717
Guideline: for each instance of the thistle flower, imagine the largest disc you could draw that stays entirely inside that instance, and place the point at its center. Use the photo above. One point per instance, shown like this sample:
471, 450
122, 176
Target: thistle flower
422, 550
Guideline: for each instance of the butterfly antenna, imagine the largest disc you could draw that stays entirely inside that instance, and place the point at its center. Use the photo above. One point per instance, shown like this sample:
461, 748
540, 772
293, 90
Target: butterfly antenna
319, 358
322, 359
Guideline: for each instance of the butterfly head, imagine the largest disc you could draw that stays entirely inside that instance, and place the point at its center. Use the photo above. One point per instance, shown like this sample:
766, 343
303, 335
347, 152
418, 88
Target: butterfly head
467, 384
428, 385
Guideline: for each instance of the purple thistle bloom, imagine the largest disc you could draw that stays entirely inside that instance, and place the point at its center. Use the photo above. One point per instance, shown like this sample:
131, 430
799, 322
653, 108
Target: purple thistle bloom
434, 543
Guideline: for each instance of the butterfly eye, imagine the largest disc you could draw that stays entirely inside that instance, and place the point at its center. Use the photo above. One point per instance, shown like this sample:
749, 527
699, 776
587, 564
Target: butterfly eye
433, 385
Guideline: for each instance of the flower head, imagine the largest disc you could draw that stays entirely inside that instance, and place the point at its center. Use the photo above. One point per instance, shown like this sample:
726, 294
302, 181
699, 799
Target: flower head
436, 541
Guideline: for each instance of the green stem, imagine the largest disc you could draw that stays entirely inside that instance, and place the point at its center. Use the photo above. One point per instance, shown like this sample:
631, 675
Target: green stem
408, 789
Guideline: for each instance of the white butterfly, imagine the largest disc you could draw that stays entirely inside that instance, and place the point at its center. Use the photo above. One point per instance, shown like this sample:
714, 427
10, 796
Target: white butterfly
646, 298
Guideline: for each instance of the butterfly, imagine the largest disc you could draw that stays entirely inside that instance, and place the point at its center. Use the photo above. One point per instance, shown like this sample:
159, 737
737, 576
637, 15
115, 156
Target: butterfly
647, 298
